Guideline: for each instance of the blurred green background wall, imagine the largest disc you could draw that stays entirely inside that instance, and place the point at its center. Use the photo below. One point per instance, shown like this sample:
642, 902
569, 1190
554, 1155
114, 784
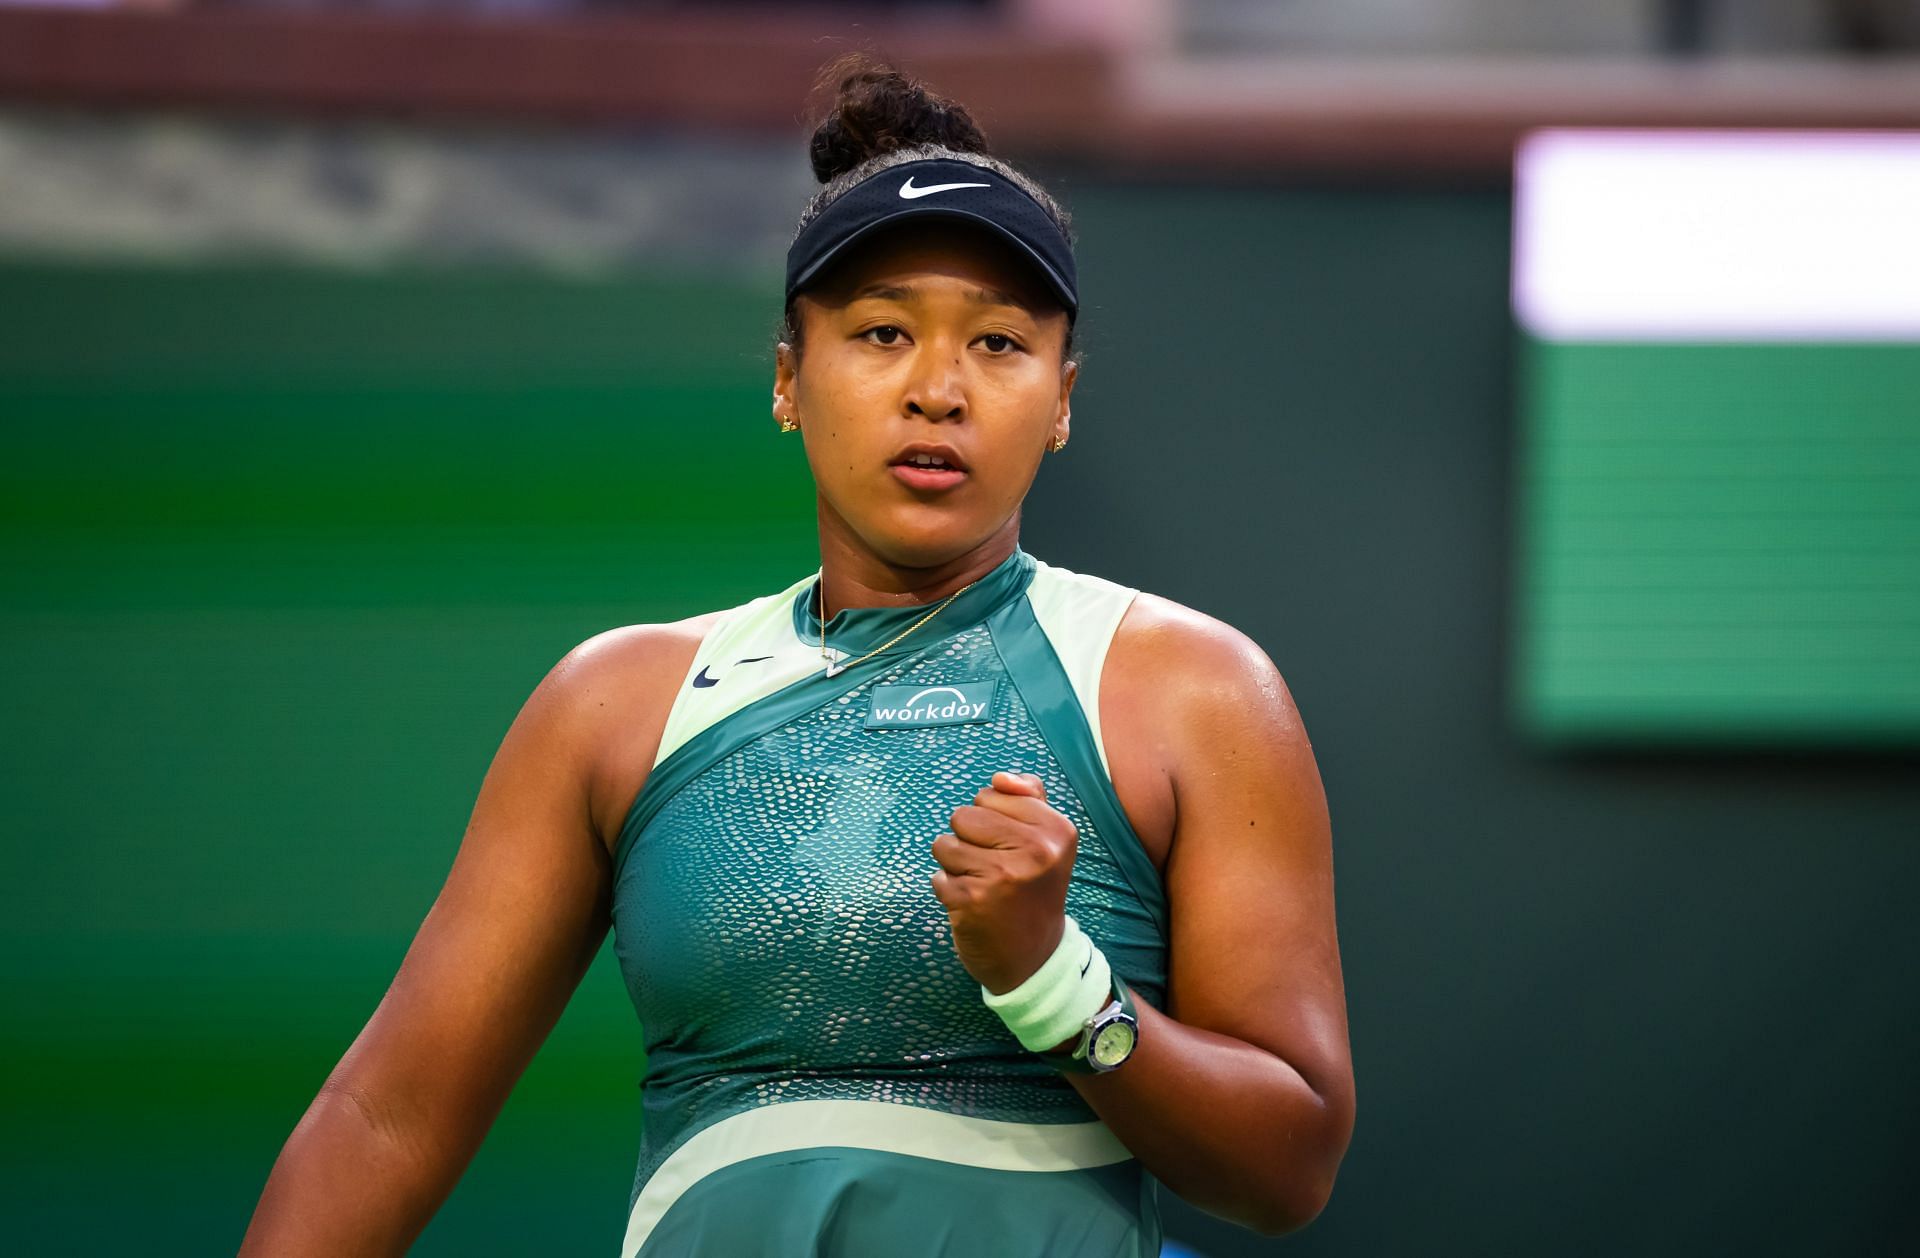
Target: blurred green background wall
282, 551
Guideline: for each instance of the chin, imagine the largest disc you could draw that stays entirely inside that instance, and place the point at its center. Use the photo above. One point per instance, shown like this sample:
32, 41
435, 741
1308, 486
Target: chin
925, 537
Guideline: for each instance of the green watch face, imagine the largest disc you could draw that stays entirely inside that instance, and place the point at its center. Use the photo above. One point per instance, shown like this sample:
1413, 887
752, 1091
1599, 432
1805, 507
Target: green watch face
1113, 1043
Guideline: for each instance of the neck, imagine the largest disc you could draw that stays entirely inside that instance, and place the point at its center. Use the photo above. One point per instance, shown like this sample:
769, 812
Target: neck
851, 575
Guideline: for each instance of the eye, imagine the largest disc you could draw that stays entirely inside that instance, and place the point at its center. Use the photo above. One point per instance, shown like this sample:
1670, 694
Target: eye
885, 327
1002, 337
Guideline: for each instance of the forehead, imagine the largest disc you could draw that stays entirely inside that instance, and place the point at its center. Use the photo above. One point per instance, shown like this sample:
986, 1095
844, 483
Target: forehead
898, 254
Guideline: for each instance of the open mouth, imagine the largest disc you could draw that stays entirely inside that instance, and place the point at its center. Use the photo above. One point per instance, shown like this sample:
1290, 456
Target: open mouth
925, 470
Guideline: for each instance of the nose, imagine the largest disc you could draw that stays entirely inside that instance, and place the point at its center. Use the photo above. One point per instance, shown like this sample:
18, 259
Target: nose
936, 390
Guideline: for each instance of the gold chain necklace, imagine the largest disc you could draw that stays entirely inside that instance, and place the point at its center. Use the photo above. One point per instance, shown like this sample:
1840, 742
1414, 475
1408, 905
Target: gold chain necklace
835, 669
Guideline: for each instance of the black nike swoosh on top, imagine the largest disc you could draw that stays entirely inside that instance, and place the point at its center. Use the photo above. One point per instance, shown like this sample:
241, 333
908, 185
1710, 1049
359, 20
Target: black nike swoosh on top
1083, 969
703, 681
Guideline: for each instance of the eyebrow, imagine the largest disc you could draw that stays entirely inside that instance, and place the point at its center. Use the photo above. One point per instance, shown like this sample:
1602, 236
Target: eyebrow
907, 292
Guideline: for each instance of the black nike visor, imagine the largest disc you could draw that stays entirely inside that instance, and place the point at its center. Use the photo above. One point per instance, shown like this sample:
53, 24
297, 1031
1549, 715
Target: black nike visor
940, 188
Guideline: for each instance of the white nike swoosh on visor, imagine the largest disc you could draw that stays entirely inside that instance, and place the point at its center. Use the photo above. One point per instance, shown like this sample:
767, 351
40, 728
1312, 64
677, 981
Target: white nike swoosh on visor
908, 191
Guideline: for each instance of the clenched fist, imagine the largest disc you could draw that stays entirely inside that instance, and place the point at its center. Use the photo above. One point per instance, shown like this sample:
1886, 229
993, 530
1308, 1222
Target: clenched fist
1003, 879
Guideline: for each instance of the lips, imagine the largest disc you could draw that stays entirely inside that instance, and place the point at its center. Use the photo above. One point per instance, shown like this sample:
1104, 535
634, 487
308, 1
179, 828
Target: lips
928, 477
929, 465
930, 454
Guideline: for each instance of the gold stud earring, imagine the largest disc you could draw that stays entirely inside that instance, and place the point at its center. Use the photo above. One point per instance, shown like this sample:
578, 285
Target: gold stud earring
789, 425
1059, 444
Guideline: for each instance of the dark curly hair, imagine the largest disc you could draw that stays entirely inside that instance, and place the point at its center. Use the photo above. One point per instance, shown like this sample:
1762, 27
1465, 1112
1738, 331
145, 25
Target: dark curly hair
880, 118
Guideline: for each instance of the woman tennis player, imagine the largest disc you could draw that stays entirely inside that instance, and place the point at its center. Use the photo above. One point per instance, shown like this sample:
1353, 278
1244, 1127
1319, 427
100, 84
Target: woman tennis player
962, 897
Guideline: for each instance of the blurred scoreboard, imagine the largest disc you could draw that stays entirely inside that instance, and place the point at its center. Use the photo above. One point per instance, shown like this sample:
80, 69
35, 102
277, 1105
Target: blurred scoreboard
1718, 499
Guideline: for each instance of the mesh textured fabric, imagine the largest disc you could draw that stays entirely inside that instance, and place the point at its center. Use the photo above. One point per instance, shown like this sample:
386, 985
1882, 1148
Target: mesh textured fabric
780, 939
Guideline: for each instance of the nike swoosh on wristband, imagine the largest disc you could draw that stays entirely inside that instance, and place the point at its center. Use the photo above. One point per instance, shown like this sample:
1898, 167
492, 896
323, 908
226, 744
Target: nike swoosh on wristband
1083, 969
909, 192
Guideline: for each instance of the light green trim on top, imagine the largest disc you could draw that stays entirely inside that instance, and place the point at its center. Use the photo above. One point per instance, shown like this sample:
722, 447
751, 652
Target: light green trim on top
1080, 614
795, 682
1041, 679
881, 1125
849, 1203
756, 628
721, 739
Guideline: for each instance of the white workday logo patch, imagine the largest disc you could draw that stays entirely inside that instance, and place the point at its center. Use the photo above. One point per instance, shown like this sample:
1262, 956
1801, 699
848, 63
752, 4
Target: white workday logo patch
915, 707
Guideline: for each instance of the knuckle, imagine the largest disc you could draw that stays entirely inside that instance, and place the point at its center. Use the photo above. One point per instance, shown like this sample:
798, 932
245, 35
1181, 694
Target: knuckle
1030, 869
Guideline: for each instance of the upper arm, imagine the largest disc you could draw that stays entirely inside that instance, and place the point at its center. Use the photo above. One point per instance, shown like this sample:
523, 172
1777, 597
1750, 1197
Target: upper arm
525, 906
1253, 951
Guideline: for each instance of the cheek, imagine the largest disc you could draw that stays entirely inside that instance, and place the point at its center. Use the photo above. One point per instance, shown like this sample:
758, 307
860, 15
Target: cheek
1013, 473
842, 453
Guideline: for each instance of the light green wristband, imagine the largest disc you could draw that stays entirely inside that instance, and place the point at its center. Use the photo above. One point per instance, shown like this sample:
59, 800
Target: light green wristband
1055, 1001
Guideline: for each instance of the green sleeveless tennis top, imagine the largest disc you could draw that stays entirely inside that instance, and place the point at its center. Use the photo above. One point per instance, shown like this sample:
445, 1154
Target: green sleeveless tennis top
822, 1076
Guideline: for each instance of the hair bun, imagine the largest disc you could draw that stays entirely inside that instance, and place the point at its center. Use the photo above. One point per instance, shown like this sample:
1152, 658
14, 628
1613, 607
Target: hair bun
878, 109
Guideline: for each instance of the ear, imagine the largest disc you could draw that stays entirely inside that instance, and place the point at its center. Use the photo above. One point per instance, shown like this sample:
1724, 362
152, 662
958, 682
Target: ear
1064, 415
785, 375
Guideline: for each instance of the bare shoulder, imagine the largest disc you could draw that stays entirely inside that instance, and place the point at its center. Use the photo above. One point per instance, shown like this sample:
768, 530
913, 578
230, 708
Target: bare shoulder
1253, 946
1185, 665
613, 692
1186, 701
616, 660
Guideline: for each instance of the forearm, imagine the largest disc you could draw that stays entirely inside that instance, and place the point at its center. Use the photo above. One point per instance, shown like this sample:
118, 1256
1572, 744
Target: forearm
345, 1184
1227, 1125
1230, 1125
